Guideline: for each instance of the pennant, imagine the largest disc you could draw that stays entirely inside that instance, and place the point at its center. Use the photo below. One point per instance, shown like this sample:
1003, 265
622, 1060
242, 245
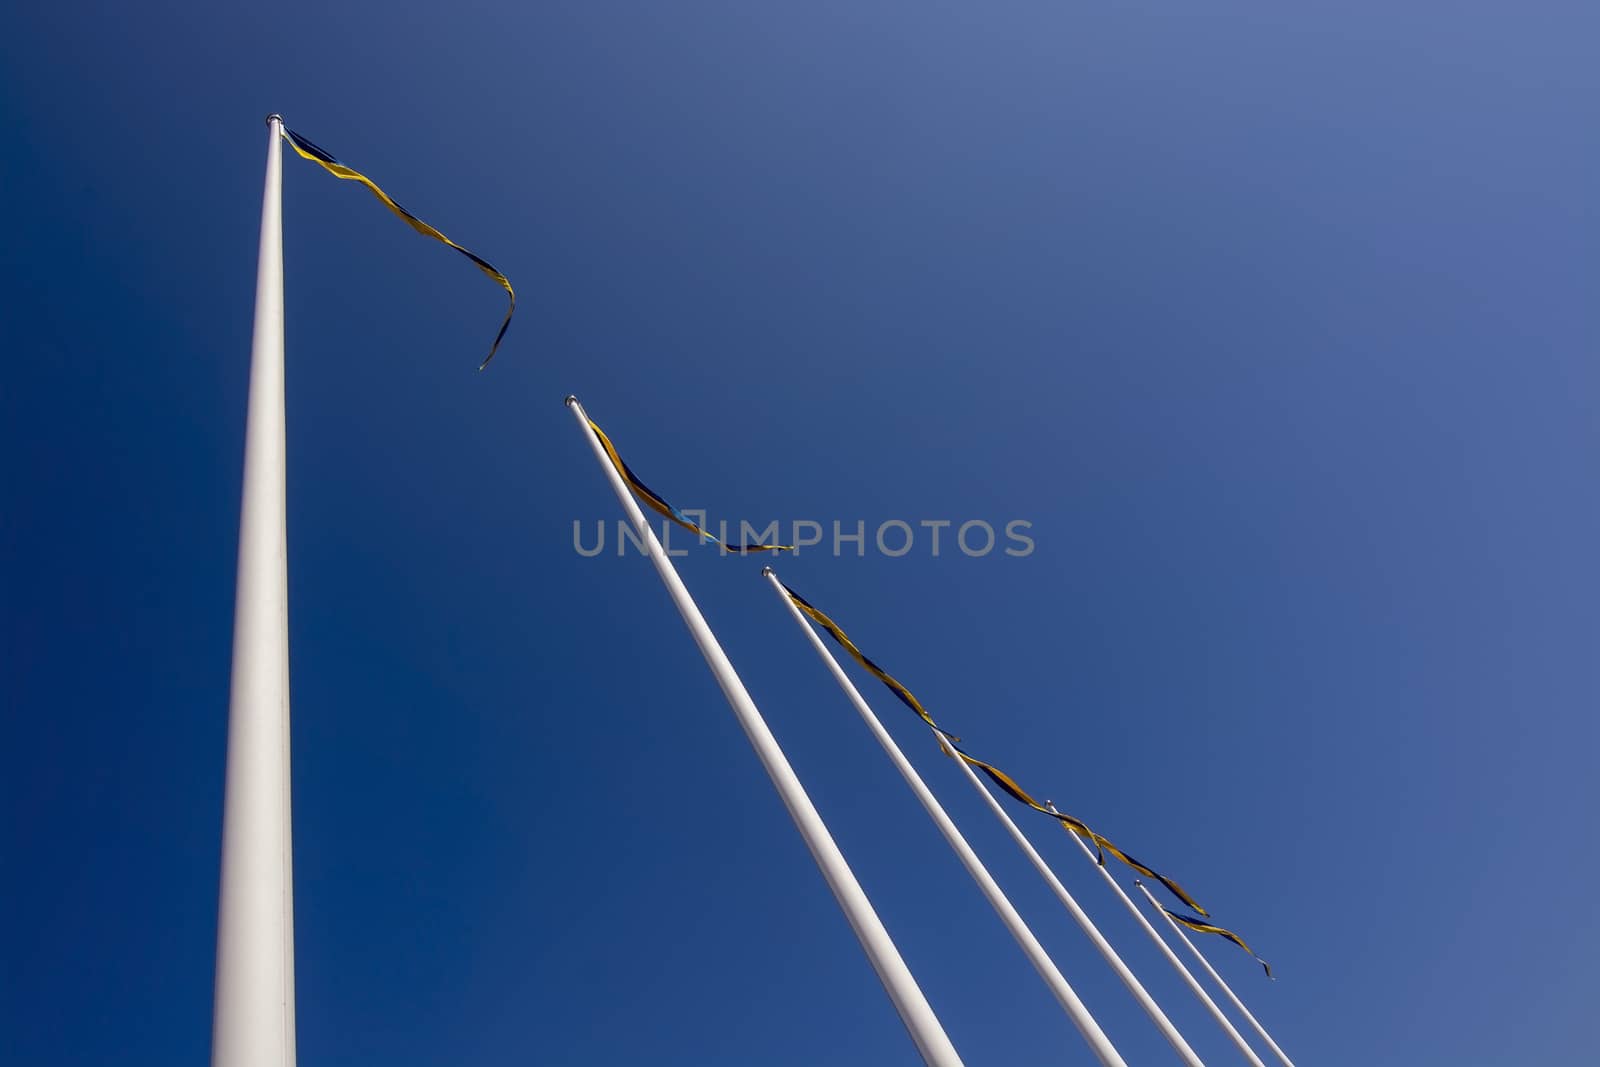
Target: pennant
1072, 825
660, 506
1207, 928
1172, 887
878, 672
947, 741
307, 150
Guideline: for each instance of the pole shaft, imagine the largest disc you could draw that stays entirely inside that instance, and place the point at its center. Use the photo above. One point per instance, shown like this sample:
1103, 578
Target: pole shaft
1188, 976
915, 1012
1109, 954
1052, 976
253, 1012
1217, 978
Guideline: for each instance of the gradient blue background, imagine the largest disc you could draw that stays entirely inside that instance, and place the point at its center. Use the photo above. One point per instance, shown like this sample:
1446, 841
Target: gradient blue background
1278, 324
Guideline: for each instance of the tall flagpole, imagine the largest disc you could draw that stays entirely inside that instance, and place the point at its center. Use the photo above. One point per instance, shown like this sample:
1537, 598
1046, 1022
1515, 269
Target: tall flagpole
1194, 986
253, 1011
1086, 924
915, 1012
1075, 1009
1262, 1030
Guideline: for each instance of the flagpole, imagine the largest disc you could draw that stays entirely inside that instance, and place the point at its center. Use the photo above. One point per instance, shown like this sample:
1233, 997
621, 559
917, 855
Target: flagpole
1109, 954
1262, 1030
915, 1012
1075, 1009
253, 1021
1166, 950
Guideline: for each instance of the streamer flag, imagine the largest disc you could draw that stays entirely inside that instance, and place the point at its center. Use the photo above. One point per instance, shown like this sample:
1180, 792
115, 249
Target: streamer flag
657, 504
323, 159
1072, 825
1016, 792
878, 672
1208, 928
948, 741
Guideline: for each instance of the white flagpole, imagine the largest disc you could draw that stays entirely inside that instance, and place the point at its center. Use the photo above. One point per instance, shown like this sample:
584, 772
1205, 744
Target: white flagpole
915, 1012
253, 1011
1194, 986
1075, 1009
1262, 1030
1109, 954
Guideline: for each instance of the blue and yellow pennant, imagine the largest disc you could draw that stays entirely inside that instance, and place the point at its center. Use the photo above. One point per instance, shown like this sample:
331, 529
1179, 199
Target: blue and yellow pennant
1000, 778
1211, 928
323, 159
659, 505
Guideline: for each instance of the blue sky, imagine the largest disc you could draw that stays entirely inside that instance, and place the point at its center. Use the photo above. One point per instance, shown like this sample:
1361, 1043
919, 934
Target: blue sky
1276, 325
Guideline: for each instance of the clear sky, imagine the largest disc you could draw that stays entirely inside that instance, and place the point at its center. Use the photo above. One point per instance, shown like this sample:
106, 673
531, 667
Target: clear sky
1276, 323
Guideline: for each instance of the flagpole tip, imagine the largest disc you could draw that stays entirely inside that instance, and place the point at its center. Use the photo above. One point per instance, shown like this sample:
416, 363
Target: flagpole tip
768, 572
274, 117
572, 398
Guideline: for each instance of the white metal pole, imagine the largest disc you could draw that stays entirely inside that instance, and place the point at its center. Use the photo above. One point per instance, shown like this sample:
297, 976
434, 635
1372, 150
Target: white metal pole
1216, 1013
1109, 954
1189, 979
1075, 1009
253, 1011
915, 1012
1262, 1030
